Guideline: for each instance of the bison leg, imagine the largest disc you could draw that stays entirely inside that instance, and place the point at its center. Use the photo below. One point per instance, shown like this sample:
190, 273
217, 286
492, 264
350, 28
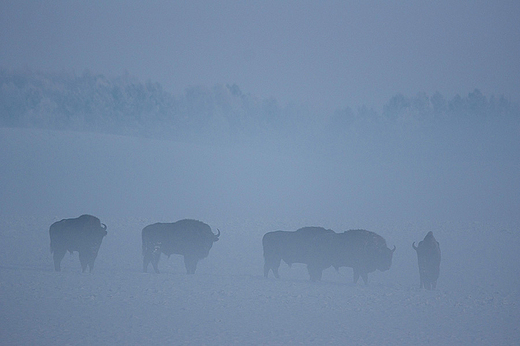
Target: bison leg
275, 272
272, 263
356, 275
84, 260
155, 262
425, 282
428, 285
57, 257
146, 260
314, 272
364, 276
91, 265
152, 257
191, 264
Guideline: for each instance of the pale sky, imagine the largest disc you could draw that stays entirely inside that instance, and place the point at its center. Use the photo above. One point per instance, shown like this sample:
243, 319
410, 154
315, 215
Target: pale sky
327, 54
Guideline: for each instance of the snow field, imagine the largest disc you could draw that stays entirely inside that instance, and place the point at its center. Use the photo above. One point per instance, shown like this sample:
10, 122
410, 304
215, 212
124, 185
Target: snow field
245, 192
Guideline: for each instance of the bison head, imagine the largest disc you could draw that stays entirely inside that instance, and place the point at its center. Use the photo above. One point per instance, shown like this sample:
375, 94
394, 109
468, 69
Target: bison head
385, 258
202, 248
96, 240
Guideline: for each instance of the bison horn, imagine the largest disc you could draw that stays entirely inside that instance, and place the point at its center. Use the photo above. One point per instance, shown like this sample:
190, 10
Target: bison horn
393, 249
414, 247
104, 227
218, 234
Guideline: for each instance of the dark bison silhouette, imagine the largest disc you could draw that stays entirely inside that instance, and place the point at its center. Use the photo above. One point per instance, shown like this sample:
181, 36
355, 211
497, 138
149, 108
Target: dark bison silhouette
308, 245
429, 258
191, 238
363, 251
83, 234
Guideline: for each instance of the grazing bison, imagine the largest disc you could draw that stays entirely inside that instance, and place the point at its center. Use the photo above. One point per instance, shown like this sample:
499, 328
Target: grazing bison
191, 238
308, 245
83, 234
429, 258
363, 251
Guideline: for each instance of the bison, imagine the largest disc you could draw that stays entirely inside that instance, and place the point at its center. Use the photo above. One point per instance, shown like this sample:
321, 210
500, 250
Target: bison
191, 238
83, 234
363, 251
308, 245
429, 258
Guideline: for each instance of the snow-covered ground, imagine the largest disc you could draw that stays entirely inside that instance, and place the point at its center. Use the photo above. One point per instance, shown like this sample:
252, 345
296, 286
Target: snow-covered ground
245, 192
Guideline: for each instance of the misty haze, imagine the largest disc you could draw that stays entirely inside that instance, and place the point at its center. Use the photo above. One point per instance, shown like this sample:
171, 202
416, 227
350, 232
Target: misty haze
131, 149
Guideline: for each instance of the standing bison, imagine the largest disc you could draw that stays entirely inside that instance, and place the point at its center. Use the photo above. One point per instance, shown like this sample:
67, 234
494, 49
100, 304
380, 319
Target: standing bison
429, 258
308, 245
363, 251
83, 234
191, 238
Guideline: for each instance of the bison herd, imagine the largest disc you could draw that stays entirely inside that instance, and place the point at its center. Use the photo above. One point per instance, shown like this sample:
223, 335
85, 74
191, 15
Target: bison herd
320, 248
317, 247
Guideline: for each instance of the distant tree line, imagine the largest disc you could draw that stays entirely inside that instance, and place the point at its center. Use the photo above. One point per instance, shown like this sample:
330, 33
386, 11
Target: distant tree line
126, 105
424, 110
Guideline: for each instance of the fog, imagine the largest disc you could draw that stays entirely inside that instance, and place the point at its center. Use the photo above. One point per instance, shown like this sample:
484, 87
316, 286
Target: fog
328, 55
462, 185
399, 118
398, 179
